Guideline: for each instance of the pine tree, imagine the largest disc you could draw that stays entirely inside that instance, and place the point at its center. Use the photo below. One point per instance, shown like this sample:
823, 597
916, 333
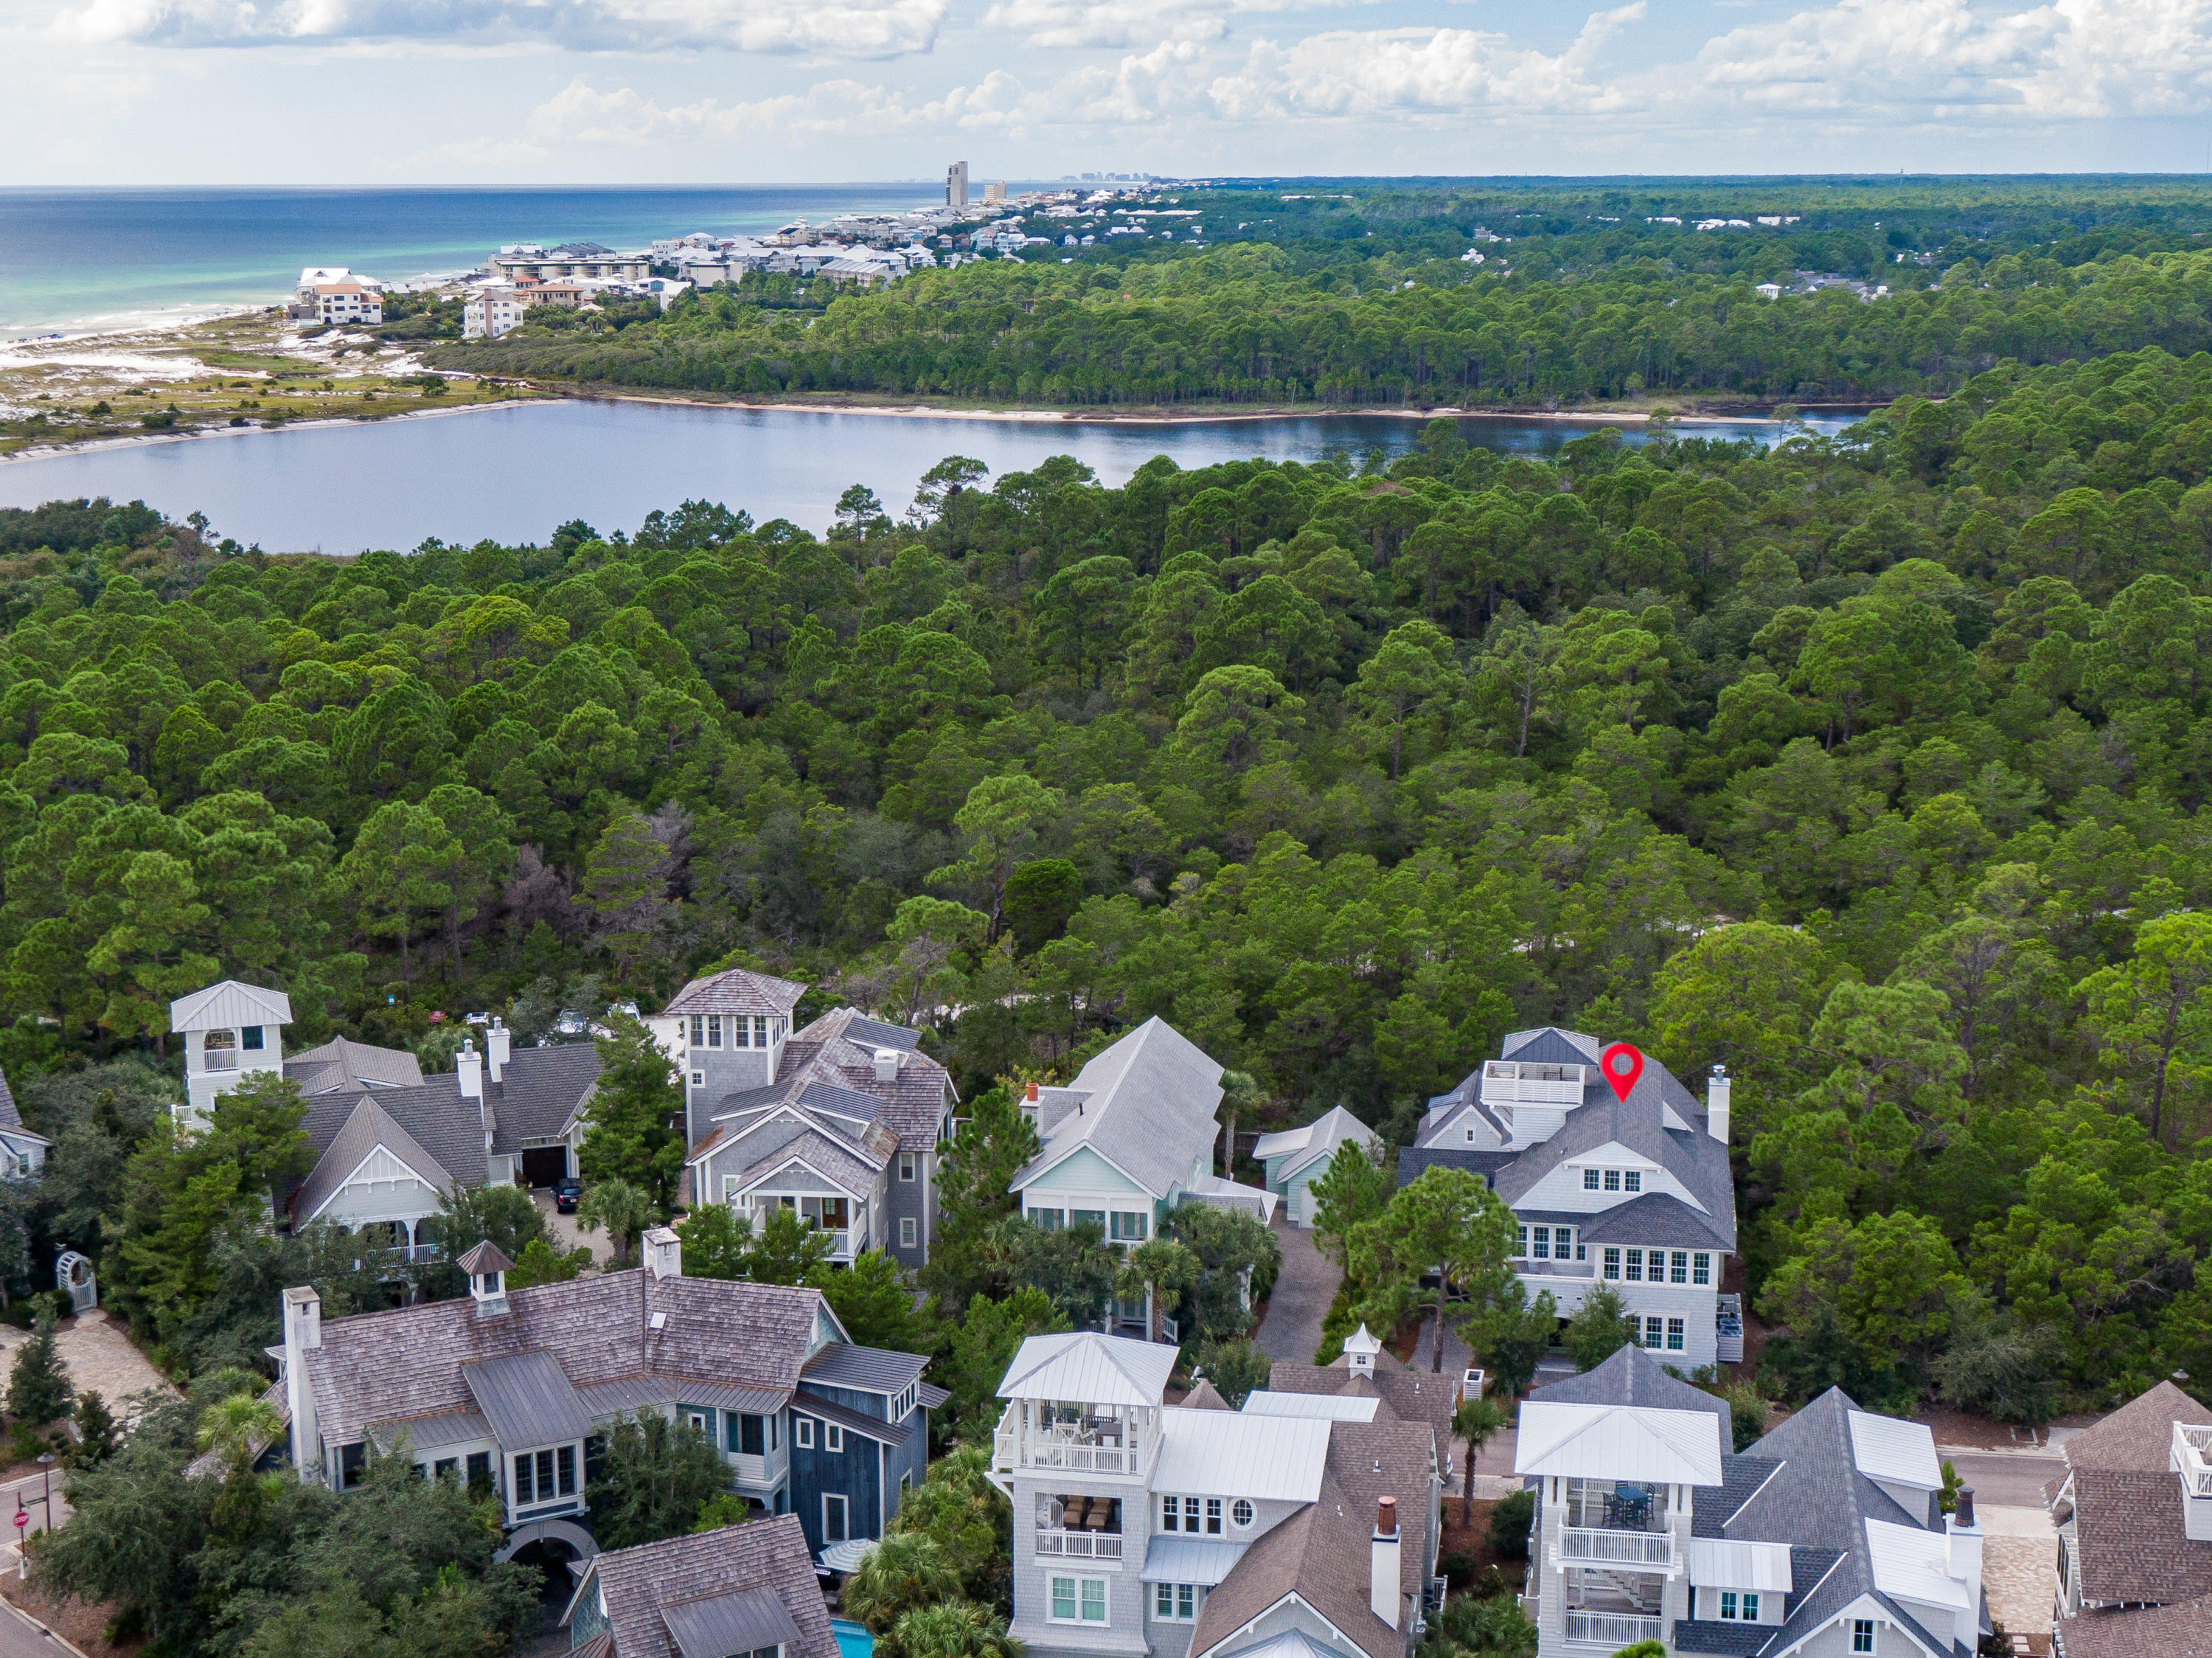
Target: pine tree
632, 1134
38, 1388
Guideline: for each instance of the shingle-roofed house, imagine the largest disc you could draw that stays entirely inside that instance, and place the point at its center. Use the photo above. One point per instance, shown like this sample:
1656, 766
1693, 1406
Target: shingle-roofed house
744, 1589
842, 1121
1129, 1139
1191, 1530
1823, 1537
509, 1389
2135, 1531
343, 1066
1637, 1191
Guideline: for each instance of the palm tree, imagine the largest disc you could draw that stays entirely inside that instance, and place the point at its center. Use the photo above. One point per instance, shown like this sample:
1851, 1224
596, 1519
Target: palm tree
620, 1207
904, 1570
239, 1427
955, 1629
1163, 1269
1475, 1421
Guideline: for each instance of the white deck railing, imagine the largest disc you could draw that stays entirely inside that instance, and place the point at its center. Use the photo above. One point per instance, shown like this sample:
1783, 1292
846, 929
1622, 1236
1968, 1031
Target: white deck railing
1082, 1545
1617, 1548
2192, 1458
1613, 1629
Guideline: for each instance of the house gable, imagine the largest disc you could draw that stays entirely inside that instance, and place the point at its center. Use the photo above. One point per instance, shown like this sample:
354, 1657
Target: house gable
1561, 1191
1084, 1171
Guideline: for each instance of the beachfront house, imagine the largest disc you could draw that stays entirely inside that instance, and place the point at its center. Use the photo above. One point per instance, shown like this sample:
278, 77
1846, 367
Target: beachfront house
1297, 1159
1823, 1537
488, 313
1305, 1525
742, 1592
844, 1121
1632, 1192
513, 1391
1127, 1140
348, 304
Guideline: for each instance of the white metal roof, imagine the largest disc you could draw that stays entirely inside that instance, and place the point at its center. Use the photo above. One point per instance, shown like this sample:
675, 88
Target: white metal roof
1235, 1194
1911, 1564
227, 1005
1325, 1407
1618, 1442
1271, 1458
1900, 1453
1087, 1368
1189, 1560
1720, 1563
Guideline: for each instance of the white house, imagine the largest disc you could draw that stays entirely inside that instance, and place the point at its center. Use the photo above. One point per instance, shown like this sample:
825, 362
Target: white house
339, 304
1823, 1538
1129, 1139
2134, 1532
488, 313
231, 1032
1634, 1192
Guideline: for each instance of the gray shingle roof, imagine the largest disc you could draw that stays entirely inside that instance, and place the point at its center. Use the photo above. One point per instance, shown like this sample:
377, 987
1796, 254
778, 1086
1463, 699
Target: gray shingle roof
2132, 1541
367, 1127
870, 1369
1656, 1217
737, 991
538, 1090
2177, 1631
841, 1049
1410, 1395
1740, 1478
2139, 1435
640, 1585
1413, 1162
1148, 1109
1731, 1640
9, 1116
339, 1064
823, 1153
1632, 1376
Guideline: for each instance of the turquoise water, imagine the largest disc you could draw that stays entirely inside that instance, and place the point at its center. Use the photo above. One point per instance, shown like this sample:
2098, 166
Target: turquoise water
853, 1640
512, 474
75, 259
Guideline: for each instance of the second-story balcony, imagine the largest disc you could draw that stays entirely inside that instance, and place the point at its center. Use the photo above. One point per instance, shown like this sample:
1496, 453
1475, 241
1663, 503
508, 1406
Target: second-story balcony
2192, 1458
1612, 1630
1597, 1545
1078, 1527
1610, 1523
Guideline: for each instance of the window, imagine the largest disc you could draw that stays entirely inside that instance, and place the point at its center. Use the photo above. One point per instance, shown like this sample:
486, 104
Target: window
1673, 1335
1240, 1514
1678, 1272
1750, 1608
1131, 1225
698, 1079
1190, 1513
906, 1232
1654, 1332
1094, 1600
1728, 1604
1543, 1243
714, 1030
701, 1418
1087, 1217
1169, 1510
1613, 1179
352, 1458
1521, 1243
1701, 1268
250, 1039
1078, 1599
1047, 1220
906, 1166
1470, 1136
1636, 1266
833, 1517
803, 1432
833, 1437
1613, 1263
698, 1030
1632, 1180
479, 1473
760, 1030
1590, 1178
1063, 1599
1175, 1602
1862, 1634
1213, 1515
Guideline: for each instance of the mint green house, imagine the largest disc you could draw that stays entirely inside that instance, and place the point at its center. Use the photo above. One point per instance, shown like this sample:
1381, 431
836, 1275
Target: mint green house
1297, 1159
1130, 1139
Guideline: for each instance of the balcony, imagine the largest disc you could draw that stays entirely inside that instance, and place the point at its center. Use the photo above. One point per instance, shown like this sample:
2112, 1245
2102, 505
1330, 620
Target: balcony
1613, 1630
1603, 1545
1529, 1267
1080, 1546
1077, 1439
753, 1469
2193, 1459
1509, 1083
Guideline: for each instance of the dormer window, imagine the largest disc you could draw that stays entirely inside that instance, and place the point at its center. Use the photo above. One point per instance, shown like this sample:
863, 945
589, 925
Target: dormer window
1613, 1179
1631, 1180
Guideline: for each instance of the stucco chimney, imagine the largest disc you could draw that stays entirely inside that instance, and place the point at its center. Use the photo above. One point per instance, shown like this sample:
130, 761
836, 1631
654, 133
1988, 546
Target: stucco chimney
1383, 1592
1717, 1104
495, 1048
468, 1063
887, 1065
303, 1334
1962, 1539
663, 1253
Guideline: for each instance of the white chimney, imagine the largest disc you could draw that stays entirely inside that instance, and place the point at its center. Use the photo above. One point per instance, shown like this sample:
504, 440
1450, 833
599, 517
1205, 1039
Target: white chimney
1359, 1350
663, 1253
1030, 1108
887, 1065
1962, 1543
469, 1064
1382, 1591
1717, 1104
303, 1333
495, 1048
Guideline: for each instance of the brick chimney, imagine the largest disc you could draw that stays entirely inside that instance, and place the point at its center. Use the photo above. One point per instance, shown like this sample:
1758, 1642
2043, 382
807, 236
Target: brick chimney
1382, 1591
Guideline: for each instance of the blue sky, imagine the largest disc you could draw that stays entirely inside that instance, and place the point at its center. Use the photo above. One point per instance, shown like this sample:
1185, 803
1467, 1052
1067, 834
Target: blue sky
611, 91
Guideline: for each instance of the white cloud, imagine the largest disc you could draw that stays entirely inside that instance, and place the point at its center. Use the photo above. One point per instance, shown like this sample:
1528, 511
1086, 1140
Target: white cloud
849, 28
581, 114
1436, 72
1105, 22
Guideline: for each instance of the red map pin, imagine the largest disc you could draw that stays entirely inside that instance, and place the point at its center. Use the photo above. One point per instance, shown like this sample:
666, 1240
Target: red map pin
1622, 1065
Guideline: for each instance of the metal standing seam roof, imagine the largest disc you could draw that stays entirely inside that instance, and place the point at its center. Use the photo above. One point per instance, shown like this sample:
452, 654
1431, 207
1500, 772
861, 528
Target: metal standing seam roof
1914, 1565
432, 1433
227, 1005
528, 1400
1090, 1368
1720, 1562
1148, 1108
855, 1422
1327, 1407
1900, 1452
719, 1625
870, 1369
1200, 1560
1325, 1133
1617, 1441
1273, 1458
874, 1033
610, 1398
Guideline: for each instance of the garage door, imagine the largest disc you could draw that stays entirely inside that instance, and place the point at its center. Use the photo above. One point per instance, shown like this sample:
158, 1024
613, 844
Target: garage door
544, 1165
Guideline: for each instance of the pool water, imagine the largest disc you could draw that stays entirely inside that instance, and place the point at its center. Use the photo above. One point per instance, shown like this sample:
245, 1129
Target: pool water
853, 1640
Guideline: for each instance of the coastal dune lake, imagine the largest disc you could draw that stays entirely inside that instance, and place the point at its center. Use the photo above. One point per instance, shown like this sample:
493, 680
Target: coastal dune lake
512, 474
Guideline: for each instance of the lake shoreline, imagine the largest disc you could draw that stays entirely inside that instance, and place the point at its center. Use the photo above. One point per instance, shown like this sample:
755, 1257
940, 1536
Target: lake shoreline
148, 440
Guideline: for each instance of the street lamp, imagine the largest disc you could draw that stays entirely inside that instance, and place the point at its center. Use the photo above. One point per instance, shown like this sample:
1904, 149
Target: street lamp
47, 1486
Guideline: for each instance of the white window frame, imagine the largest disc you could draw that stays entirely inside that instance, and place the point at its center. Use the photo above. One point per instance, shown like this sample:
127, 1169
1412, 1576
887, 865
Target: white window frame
1862, 1634
1674, 1334
1678, 1270
1655, 1332
1078, 1599
844, 1516
833, 1437
1701, 1268
1176, 1603
907, 1232
714, 1030
1214, 1517
698, 1079
1612, 1265
1590, 1178
907, 1166
802, 1434
1632, 1180
1241, 1513
1613, 1179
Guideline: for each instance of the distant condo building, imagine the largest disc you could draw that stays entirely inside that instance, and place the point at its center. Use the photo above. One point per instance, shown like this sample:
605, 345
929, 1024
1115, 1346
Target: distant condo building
956, 185
331, 294
528, 262
995, 192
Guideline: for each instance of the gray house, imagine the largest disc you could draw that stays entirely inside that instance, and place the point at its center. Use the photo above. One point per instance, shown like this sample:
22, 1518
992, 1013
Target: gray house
842, 1122
511, 1391
22, 1152
2134, 1532
744, 1589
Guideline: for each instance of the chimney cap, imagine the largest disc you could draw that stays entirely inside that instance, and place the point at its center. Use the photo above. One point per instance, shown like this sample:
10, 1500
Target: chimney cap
1032, 1092
1963, 1511
1386, 1516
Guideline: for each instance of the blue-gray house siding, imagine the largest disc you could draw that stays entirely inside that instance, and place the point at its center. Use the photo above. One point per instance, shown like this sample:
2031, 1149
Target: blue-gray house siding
867, 1473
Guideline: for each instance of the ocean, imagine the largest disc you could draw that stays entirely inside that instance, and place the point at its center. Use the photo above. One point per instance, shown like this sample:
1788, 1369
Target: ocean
81, 259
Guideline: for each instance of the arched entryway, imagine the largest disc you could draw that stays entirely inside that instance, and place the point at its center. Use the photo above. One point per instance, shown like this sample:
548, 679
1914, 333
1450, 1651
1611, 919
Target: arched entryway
555, 1539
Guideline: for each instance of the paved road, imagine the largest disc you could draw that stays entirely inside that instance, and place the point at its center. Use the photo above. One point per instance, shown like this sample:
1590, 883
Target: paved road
2007, 1479
1304, 1289
22, 1638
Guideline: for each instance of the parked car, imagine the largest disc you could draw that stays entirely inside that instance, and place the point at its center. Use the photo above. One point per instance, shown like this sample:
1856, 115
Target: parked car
566, 1192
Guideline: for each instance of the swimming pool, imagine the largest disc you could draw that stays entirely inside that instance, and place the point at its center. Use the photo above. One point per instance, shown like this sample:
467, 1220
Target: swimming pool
853, 1640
